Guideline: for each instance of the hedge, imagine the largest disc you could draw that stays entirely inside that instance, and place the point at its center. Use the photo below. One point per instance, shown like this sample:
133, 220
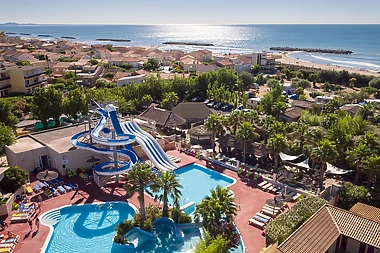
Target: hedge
284, 225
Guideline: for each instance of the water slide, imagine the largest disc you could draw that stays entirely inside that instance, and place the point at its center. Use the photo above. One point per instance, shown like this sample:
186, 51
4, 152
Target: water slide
99, 134
150, 146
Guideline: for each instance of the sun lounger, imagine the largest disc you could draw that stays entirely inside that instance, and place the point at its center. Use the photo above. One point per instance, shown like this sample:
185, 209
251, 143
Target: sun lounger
295, 197
271, 213
10, 238
6, 245
36, 188
282, 176
54, 191
265, 187
48, 193
67, 187
291, 194
42, 185
261, 219
263, 216
89, 175
60, 181
262, 184
256, 223
278, 189
28, 190
61, 190
83, 176
23, 218
74, 186
7, 250
272, 207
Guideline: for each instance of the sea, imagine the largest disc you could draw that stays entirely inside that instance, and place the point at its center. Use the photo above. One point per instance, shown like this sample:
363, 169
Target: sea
363, 40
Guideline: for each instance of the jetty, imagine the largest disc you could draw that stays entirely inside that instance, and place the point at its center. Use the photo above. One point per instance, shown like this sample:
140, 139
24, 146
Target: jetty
312, 50
44, 35
25, 34
189, 44
113, 40
68, 37
10, 33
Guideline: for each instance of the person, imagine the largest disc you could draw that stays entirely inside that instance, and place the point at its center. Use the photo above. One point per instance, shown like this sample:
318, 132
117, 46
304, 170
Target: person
37, 223
30, 224
3, 225
39, 200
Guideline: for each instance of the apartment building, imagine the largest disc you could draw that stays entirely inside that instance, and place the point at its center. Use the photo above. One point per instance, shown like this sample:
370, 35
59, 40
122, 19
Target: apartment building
21, 79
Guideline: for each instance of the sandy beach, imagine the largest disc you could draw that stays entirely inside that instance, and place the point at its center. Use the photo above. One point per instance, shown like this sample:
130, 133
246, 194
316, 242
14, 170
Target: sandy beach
286, 60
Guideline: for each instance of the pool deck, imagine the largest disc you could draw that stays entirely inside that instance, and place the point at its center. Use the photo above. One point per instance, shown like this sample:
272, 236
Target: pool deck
250, 200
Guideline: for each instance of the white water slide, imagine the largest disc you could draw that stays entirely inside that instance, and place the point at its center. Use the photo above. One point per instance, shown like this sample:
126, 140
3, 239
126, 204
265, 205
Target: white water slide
150, 146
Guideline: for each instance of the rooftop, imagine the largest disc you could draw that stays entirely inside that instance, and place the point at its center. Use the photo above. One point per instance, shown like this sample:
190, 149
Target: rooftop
25, 143
163, 117
366, 211
324, 227
192, 110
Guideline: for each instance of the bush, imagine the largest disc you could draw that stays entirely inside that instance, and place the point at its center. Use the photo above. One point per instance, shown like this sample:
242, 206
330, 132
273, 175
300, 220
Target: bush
284, 225
13, 179
315, 94
179, 216
350, 194
151, 213
121, 229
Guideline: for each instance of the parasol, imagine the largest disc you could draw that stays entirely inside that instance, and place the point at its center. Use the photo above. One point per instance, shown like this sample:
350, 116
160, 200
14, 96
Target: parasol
93, 160
275, 202
47, 175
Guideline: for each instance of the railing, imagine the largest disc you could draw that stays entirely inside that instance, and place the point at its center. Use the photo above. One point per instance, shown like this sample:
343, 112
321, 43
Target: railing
5, 78
6, 87
34, 75
33, 84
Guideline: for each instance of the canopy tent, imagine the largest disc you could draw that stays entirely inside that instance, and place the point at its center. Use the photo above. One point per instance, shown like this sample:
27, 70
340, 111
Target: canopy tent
303, 164
289, 158
331, 169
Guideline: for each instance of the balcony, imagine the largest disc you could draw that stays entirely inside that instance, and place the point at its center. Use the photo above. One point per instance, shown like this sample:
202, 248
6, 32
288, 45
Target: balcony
34, 84
34, 75
4, 78
5, 87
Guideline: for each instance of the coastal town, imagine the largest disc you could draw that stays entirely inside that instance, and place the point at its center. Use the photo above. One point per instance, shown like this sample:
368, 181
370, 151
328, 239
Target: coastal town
146, 149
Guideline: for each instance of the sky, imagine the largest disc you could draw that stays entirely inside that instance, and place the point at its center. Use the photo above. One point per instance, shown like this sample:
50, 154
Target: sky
190, 12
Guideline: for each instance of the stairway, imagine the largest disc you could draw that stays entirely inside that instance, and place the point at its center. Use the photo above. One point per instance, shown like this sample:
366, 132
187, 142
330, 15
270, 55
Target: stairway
51, 218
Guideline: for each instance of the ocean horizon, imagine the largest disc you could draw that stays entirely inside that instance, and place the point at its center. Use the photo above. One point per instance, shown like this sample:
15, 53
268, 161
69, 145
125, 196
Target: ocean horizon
362, 39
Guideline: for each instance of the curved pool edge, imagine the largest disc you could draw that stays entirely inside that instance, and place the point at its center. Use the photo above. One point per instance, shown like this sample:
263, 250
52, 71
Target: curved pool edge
51, 228
241, 238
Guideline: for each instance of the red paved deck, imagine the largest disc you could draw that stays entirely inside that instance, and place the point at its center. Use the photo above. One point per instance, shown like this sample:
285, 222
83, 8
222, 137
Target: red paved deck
250, 199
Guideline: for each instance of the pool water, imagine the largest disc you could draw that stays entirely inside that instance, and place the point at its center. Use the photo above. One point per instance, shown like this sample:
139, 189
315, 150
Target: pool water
197, 181
87, 228
164, 241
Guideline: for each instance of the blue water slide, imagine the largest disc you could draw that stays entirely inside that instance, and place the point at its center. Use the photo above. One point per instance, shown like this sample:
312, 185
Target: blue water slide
130, 154
150, 146
123, 139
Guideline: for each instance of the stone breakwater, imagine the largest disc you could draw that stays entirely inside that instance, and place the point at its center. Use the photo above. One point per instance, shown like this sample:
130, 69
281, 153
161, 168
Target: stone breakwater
312, 50
189, 44
113, 40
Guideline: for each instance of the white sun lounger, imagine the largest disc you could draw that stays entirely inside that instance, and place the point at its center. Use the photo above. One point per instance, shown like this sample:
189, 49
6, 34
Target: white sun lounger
295, 197
36, 188
61, 190
67, 187
271, 213
265, 187
256, 223
264, 216
272, 207
262, 184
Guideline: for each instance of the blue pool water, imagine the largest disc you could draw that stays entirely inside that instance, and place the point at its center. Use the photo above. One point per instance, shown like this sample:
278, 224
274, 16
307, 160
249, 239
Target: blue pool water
87, 228
197, 181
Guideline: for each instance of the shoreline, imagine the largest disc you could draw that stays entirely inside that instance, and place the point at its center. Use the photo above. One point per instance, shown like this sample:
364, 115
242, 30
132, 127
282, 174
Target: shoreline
287, 60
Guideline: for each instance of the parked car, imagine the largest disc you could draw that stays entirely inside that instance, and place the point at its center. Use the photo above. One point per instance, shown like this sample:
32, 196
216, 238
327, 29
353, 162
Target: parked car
207, 101
211, 104
227, 108
197, 99
219, 106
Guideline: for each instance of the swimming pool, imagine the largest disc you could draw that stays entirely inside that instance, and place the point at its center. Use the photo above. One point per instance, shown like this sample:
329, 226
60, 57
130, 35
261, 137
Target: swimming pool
197, 181
89, 225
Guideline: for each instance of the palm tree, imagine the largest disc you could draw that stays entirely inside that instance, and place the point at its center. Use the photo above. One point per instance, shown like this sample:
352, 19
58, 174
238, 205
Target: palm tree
234, 120
218, 207
372, 168
246, 133
300, 131
324, 152
214, 124
357, 156
277, 144
167, 186
137, 181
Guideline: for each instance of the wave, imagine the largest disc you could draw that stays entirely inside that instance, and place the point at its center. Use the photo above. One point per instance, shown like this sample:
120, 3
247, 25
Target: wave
367, 64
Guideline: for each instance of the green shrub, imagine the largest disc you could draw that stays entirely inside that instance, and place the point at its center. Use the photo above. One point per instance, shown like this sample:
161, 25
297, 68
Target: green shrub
281, 228
350, 194
179, 216
315, 94
13, 179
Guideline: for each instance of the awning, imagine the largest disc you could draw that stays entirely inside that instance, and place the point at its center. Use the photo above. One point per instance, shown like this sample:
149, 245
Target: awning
289, 158
331, 169
303, 164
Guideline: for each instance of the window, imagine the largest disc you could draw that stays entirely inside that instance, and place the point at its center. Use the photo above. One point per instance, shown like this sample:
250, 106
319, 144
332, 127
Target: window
343, 244
362, 248
370, 249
